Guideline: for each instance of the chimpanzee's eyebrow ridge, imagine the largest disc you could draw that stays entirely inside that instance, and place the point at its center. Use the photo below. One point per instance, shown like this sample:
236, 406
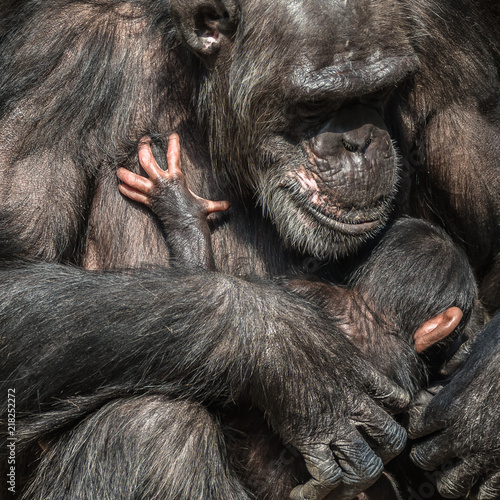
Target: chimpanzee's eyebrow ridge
350, 79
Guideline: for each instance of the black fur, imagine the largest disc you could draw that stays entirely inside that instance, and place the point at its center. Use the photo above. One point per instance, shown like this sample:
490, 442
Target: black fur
275, 131
464, 450
149, 339
230, 356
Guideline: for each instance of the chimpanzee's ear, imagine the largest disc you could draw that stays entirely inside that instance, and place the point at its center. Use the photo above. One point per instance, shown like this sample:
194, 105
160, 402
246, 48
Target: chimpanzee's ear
205, 25
437, 328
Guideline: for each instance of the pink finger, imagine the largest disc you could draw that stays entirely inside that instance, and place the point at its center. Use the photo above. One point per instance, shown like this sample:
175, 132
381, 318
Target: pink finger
211, 206
174, 154
147, 160
216, 206
133, 194
135, 181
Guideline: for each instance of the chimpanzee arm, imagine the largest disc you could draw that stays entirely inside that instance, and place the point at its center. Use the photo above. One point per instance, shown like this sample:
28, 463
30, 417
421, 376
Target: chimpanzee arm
183, 215
67, 332
465, 442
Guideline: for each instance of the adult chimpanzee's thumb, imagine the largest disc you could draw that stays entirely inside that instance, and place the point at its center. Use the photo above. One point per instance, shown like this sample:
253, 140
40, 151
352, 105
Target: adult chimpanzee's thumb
387, 393
421, 415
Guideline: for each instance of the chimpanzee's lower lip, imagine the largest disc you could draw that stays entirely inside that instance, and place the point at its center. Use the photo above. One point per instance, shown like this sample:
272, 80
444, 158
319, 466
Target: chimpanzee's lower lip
362, 226
350, 228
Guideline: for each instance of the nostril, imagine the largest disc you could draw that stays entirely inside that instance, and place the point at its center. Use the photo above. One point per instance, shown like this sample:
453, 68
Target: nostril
359, 140
367, 144
352, 148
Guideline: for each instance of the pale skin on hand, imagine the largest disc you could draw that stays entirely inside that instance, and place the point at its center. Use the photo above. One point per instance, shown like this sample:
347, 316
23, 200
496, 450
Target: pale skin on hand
140, 189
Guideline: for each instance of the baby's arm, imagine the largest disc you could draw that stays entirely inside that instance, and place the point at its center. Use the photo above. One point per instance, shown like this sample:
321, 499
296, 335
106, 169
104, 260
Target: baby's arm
183, 215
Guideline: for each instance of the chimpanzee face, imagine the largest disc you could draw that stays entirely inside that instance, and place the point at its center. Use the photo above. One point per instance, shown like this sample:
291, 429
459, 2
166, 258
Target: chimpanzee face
305, 85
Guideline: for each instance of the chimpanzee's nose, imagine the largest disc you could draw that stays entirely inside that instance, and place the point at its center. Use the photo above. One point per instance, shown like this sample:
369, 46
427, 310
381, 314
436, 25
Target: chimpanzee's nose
351, 129
358, 140
353, 154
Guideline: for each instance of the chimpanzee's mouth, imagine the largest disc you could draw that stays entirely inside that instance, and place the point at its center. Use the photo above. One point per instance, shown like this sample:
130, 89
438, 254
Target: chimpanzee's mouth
346, 226
324, 205
349, 221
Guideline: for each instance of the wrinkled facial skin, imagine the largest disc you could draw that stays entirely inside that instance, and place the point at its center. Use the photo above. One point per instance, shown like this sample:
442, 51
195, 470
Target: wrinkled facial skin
308, 84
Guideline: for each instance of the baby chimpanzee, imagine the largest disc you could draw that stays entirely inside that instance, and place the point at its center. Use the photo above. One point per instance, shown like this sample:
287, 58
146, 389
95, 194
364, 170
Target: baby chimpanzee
424, 304
412, 292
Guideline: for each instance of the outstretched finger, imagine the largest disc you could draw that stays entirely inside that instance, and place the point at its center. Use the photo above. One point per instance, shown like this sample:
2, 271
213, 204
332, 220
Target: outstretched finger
386, 392
174, 155
134, 195
210, 206
147, 159
134, 181
215, 206
326, 474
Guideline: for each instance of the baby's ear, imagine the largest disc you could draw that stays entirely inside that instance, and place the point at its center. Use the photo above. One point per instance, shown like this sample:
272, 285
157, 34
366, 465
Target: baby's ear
437, 328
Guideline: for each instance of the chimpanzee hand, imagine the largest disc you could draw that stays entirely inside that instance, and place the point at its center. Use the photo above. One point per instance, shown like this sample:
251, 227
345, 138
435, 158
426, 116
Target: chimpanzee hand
351, 442
465, 446
181, 212
165, 192
326, 401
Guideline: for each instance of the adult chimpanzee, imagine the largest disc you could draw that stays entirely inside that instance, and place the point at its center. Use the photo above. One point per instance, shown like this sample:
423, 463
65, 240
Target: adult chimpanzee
369, 313
411, 244
378, 312
304, 131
